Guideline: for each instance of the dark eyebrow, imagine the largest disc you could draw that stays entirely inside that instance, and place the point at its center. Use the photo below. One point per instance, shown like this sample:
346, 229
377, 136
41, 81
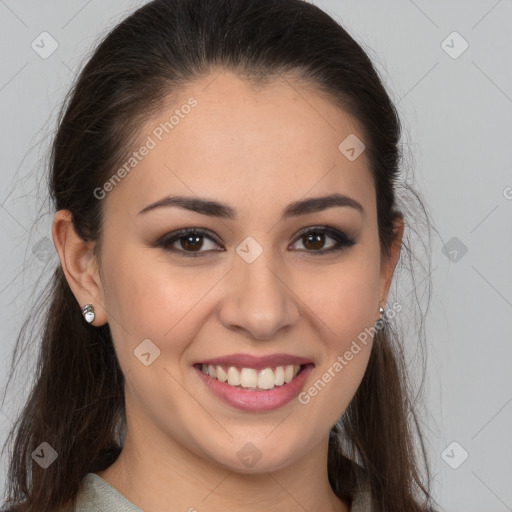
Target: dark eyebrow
222, 210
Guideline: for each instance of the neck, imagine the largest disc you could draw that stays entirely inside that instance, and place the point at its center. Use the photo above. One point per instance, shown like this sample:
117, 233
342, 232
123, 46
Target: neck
159, 475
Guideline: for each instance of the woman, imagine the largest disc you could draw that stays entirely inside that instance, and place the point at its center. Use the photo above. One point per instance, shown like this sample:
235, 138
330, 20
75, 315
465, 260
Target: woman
218, 335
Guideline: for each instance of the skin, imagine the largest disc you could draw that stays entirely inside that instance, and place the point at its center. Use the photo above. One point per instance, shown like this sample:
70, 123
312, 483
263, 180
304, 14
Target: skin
258, 151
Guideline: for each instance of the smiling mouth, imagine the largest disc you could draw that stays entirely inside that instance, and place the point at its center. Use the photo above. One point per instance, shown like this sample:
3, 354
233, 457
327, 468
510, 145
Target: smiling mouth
251, 379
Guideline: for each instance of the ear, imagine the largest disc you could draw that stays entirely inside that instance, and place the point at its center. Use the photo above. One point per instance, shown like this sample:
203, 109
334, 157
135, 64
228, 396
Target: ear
79, 264
388, 264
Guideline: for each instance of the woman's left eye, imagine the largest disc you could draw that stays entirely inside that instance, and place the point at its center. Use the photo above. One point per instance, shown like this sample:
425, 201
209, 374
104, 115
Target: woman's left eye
191, 241
317, 236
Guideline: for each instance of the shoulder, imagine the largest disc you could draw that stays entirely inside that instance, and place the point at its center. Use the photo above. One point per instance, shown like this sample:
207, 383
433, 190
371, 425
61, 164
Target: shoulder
97, 494
362, 500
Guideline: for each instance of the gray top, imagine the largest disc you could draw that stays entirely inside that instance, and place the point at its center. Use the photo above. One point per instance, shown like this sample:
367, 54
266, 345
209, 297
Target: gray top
97, 495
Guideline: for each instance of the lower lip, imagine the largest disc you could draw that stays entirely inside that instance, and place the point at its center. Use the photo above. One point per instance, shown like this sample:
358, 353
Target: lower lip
257, 401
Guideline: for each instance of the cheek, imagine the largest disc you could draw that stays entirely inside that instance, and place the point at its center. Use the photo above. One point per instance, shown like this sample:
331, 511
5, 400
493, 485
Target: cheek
150, 298
345, 322
345, 296
147, 293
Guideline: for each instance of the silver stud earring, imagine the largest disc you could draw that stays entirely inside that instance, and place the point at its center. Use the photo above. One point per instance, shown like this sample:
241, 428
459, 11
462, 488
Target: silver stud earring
88, 313
381, 310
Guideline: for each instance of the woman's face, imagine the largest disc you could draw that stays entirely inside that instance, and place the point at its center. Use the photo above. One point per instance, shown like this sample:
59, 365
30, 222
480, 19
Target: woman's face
248, 284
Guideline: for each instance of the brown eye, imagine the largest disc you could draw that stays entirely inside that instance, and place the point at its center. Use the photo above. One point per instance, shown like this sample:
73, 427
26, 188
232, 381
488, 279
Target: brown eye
191, 242
314, 241
315, 238
188, 242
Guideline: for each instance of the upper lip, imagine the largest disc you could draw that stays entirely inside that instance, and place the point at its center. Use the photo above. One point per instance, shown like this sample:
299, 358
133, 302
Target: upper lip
258, 363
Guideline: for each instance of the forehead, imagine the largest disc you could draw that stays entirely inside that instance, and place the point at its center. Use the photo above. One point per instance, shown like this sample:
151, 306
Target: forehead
222, 138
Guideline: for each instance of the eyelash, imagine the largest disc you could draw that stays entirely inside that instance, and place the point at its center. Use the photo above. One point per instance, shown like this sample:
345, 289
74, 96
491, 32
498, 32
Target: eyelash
342, 240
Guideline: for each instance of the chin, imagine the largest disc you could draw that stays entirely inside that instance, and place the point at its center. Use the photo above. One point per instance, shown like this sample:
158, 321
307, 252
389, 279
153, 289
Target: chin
250, 460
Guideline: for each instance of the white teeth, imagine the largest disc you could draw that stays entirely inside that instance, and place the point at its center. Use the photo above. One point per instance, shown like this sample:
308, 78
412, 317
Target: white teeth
266, 379
221, 374
248, 378
211, 371
288, 374
251, 378
233, 376
279, 376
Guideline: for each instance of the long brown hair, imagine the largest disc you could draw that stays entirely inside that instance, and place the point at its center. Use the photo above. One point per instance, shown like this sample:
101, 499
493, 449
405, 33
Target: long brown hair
76, 404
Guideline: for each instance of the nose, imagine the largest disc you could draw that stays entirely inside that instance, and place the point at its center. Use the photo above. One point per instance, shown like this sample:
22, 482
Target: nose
258, 299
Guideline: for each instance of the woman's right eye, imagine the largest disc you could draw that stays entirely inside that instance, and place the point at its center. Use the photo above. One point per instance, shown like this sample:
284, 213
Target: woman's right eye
191, 241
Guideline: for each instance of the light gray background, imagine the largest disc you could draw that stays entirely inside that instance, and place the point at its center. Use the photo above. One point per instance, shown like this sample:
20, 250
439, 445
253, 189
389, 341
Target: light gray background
457, 113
